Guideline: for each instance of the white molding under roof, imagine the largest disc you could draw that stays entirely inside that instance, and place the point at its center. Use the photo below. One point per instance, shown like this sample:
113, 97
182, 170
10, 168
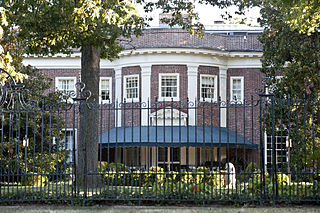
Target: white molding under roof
155, 56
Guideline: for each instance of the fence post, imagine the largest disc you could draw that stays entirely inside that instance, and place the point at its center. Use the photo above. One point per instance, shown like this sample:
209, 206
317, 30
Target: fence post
262, 163
81, 96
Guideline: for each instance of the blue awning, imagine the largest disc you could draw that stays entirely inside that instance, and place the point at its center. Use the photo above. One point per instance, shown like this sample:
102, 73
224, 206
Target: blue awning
173, 136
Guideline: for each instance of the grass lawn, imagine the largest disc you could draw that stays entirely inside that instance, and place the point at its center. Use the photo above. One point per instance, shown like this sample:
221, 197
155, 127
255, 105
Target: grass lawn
155, 209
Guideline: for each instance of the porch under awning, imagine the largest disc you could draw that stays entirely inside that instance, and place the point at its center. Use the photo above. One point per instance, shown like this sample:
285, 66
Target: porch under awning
173, 136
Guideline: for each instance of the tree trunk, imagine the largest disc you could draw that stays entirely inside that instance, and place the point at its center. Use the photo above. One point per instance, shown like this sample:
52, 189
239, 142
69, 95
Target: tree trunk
89, 122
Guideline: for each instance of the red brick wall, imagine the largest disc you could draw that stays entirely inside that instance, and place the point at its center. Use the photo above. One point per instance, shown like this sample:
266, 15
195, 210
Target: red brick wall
207, 113
183, 79
245, 119
131, 113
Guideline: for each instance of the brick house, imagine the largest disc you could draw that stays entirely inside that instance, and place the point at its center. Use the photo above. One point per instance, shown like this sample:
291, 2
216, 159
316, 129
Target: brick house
215, 73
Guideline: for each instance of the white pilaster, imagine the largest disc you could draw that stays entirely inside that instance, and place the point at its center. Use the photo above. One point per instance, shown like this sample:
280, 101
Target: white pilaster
223, 72
145, 91
118, 98
192, 90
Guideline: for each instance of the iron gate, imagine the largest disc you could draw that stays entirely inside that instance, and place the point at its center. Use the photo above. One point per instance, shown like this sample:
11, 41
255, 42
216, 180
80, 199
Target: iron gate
258, 150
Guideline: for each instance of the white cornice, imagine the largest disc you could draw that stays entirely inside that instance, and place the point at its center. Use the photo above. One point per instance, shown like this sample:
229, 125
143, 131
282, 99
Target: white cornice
156, 56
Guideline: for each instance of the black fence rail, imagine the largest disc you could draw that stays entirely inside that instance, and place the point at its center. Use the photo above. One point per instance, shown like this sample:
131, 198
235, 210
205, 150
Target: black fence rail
264, 150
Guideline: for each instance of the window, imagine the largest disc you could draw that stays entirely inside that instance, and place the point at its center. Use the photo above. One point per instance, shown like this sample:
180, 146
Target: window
236, 90
281, 152
105, 90
66, 85
169, 158
131, 88
67, 141
168, 87
208, 85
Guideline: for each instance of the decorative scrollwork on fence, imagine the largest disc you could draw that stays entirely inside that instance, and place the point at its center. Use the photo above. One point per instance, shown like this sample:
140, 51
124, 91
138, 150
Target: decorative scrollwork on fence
80, 94
268, 87
13, 95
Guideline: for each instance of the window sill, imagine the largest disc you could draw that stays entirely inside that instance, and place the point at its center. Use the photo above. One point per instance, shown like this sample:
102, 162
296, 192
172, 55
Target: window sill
105, 102
160, 99
209, 100
131, 100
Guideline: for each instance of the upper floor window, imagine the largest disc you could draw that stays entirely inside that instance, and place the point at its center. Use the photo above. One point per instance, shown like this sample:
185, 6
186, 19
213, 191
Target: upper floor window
105, 90
66, 85
131, 88
208, 85
169, 86
236, 89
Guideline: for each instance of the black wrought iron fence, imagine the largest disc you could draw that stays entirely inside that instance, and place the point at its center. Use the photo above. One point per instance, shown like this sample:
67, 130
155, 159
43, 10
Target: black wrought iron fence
258, 150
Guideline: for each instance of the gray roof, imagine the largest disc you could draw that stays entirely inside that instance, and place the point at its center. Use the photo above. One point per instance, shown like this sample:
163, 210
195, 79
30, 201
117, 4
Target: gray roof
178, 38
174, 136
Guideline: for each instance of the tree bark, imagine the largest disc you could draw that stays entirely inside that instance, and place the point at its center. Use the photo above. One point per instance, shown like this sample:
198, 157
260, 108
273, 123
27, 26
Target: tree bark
88, 141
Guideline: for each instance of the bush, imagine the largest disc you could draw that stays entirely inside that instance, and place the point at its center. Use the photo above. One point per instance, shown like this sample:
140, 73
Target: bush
117, 167
215, 179
251, 172
102, 166
35, 179
155, 175
283, 179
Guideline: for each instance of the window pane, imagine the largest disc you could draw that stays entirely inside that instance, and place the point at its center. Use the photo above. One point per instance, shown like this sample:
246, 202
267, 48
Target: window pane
105, 89
66, 86
207, 87
132, 87
169, 86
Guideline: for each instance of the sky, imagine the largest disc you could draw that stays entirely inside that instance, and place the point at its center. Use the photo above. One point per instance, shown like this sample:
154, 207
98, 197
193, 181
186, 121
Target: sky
208, 14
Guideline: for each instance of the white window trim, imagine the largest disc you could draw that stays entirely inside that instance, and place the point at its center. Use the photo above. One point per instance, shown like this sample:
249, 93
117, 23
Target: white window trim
110, 90
215, 88
125, 91
65, 78
242, 89
288, 145
178, 87
63, 131
75, 141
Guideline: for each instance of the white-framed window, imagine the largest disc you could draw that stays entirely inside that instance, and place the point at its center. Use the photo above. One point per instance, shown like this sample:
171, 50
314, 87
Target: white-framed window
67, 141
105, 90
66, 85
131, 88
208, 88
280, 151
236, 89
168, 86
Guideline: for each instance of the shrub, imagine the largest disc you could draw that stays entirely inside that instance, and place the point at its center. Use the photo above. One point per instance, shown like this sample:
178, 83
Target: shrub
283, 179
102, 166
215, 179
117, 167
35, 179
155, 175
251, 172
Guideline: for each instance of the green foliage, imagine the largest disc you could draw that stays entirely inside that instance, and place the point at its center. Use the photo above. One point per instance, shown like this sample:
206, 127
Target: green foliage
7, 61
50, 27
118, 167
102, 166
35, 179
291, 49
28, 134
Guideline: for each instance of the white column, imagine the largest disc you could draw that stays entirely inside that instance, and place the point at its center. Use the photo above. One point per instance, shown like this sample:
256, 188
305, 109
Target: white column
145, 91
223, 72
192, 90
192, 95
118, 92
